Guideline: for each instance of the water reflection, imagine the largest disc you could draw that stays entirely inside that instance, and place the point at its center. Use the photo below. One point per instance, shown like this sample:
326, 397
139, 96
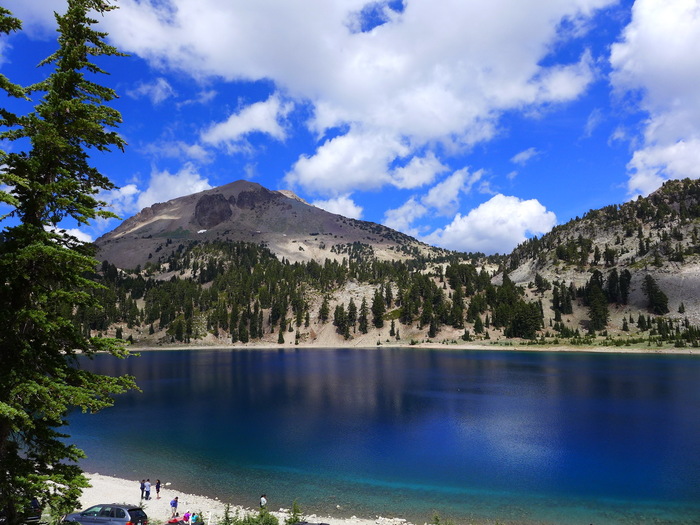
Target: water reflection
442, 425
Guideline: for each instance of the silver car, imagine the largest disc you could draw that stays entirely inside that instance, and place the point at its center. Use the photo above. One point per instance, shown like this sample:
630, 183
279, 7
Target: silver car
109, 514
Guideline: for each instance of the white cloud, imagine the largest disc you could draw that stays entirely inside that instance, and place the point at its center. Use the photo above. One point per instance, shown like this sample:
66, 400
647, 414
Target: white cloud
653, 165
525, 156
80, 235
657, 57
260, 117
391, 83
418, 172
203, 97
445, 196
342, 205
178, 149
350, 161
122, 201
157, 91
496, 226
594, 120
403, 217
37, 15
162, 186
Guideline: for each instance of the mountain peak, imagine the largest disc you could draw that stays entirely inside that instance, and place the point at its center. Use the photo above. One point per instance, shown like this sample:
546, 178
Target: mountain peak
246, 211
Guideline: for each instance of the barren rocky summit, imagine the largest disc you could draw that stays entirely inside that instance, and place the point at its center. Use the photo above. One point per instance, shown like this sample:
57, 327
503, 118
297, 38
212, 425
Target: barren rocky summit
246, 211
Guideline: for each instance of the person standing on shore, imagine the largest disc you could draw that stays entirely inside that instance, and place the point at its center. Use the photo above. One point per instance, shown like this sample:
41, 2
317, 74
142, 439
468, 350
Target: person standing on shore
147, 489
263, 502
173, 506
157, 489
143, 487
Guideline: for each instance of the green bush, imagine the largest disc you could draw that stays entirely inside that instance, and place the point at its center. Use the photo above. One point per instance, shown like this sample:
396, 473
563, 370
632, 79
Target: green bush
295, 515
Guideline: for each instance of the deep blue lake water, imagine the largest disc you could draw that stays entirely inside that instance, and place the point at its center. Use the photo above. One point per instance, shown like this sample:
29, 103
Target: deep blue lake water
522, 437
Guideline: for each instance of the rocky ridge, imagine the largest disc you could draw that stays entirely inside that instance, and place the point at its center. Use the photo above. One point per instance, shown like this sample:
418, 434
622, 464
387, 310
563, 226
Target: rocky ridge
246, 211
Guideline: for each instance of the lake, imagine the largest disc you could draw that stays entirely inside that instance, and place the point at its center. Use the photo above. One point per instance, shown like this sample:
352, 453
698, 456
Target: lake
525, 437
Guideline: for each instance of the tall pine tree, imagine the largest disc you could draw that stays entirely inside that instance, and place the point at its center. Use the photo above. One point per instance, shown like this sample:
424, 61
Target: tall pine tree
44, 268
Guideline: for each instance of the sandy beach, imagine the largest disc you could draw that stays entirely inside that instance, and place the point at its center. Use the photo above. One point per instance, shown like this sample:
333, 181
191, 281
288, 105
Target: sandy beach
108, 489
512, 345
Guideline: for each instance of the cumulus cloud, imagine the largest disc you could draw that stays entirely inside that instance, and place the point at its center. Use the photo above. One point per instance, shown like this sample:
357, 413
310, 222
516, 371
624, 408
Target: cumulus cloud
445, 196
403, 217
342, 205
418, 172
157, 91
122, 201
657, 58
496, 226
385, 82
653, 165
162, 186
261, 117
350, 161
78, 234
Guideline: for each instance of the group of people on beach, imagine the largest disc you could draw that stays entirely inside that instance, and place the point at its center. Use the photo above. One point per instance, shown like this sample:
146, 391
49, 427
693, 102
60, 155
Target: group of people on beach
146, 489
190, 518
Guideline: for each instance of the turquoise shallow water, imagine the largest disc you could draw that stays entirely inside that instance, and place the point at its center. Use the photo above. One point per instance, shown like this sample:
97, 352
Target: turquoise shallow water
517, 436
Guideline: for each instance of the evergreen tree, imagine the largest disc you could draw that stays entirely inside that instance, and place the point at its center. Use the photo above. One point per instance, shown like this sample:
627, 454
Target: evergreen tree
44, 270
456, 318
613, 290
625, 280
363, 320
325, 311
243, 335
432, 330
179, 330
352, 314
642, 323
597, 302
526, 320
378, 309
340, 320
388, 295
657, 299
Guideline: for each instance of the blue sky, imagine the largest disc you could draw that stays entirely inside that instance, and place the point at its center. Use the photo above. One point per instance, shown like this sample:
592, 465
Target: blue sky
470, 125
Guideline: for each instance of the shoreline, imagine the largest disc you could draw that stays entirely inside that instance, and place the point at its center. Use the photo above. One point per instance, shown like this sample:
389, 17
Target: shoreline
666, 350
111, 489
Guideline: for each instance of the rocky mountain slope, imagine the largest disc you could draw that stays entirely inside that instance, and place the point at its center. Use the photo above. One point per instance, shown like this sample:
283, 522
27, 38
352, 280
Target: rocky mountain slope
211, 272
658, 235
246, 211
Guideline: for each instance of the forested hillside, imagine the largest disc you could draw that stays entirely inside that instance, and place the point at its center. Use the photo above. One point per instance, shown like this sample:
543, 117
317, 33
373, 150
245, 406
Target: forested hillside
622, 275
